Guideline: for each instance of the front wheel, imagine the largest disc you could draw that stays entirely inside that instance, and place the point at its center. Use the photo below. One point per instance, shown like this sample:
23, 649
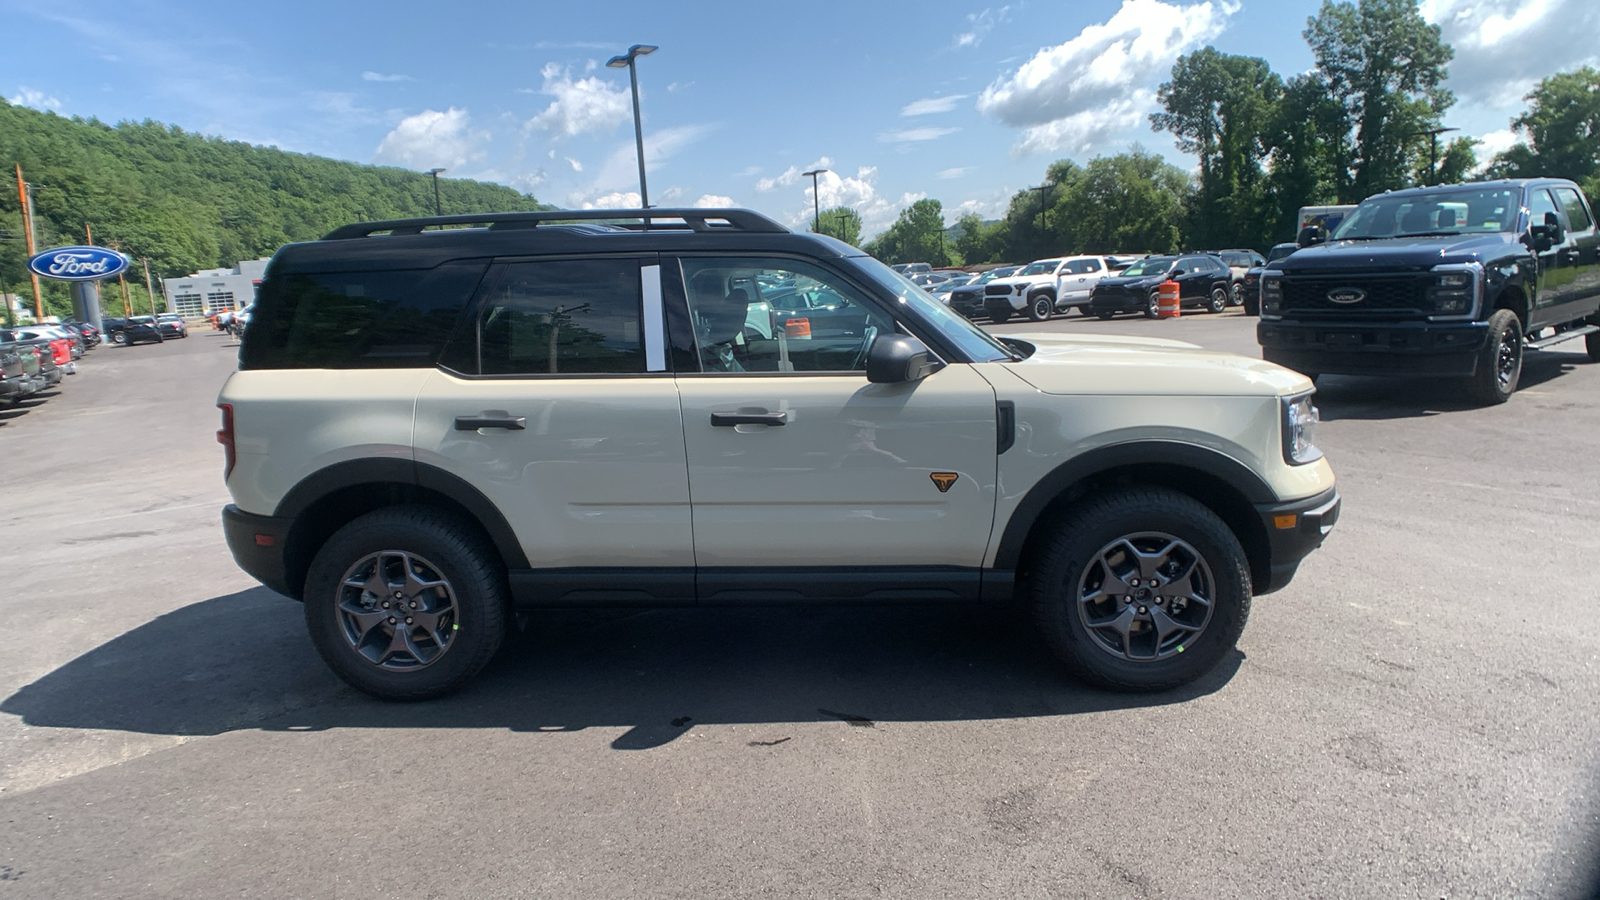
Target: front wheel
999, 315
1105, 316
1040, 307
1499, 362
1140, 589
118, 337
1591, 343
1153, 308
1219, 300
406, 603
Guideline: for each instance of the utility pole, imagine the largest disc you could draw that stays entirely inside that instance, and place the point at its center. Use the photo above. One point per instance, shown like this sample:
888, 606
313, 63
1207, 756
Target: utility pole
436, 207
816, 210
148, 289
26, 200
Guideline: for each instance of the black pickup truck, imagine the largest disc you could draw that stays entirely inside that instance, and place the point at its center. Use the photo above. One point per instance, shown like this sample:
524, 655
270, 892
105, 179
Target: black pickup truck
1456, 280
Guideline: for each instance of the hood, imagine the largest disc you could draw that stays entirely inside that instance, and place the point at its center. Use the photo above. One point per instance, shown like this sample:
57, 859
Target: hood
1398, 253
1133, 280
1121, 364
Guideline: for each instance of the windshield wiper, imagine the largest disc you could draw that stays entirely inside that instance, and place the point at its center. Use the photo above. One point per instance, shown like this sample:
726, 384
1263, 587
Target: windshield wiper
1430, 234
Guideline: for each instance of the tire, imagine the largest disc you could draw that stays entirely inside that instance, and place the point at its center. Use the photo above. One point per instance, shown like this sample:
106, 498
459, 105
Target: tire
999, 316
449, 573
1092, 543
1105, 316
1591, 343
1235, 295
1219, 300
1251, 307
1499, 362
118, 337
1040, 307
1153, 308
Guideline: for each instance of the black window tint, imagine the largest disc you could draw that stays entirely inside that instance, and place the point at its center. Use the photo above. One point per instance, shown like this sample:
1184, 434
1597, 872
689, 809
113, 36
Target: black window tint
1577, 216
563, 317
1093, 266
351, 320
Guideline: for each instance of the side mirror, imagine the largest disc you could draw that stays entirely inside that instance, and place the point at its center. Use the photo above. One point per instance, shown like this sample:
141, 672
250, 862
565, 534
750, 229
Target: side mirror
1175, 273
897, 358
1547, 234
1310, 236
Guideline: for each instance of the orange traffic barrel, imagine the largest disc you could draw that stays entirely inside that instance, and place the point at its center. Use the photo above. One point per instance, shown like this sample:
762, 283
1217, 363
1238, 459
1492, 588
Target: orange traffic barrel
797, 328
1167, 306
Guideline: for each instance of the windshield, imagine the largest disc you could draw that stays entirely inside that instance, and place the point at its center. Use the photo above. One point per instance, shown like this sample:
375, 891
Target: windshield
973, 341
1238, 259
1042, 267
1155, 265
1480, 210
992, 274
1280, 251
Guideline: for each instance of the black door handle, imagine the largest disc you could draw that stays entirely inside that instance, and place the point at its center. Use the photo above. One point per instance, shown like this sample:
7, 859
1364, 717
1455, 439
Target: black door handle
473, 423
729, 419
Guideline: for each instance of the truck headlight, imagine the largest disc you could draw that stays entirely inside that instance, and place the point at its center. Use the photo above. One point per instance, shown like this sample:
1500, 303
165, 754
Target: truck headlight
1454, 289
1300, 430
1271, 294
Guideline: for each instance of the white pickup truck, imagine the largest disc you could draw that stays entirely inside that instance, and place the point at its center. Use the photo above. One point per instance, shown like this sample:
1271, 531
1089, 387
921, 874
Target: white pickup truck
1044, 287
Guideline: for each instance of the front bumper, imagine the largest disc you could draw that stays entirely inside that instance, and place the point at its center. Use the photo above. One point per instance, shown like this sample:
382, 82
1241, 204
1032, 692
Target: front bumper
258, 544
1118, 301
1295, 529
1385, 348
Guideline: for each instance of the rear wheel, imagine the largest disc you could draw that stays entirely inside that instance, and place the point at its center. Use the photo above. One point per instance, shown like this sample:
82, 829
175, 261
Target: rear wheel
1591, 343
1499, 362
1040, 306
406, 603
1219, 299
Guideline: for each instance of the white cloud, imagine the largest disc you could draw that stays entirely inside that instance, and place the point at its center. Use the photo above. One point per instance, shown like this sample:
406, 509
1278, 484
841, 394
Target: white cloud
1504, 47
933, 105
712, 201
432, 138
378, 76
588, 104
791, 175
916, 134
576, 166
1097, 82
956, 172
1495, 142
979, 25
859, 192
613, 200
27, 96
621, 168
993, 208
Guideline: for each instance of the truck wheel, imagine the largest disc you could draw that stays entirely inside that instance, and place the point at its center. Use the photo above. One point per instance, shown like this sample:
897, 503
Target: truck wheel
1040, 306
1591, 343
1140, 589
1499, 362
1219, 300
1153, 308
118, 337
1235, 295
406, 603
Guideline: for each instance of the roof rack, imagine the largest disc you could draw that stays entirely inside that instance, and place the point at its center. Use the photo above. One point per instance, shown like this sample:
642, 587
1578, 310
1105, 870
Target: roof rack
694, 219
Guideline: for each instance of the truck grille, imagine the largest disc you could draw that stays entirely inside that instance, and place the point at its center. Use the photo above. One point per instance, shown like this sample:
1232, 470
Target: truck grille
996, 290
1386, 295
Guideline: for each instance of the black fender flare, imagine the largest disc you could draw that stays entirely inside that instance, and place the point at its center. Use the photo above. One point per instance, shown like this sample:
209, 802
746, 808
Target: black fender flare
1171, 455
390, 470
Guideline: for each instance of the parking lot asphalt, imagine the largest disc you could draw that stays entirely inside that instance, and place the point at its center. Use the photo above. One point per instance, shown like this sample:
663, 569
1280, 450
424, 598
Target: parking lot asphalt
1415, 716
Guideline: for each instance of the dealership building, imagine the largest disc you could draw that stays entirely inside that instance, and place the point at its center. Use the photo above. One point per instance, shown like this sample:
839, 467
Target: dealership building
214, 290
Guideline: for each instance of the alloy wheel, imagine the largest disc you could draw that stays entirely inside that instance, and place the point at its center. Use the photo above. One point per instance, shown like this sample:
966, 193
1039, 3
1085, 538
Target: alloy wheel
397, 611
1144, 597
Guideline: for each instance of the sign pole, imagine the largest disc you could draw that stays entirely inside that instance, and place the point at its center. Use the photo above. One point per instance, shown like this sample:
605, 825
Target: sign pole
27, 231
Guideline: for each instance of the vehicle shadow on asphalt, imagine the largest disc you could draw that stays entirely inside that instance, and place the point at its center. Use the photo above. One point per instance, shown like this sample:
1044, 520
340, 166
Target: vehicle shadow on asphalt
1398, 397
244, 661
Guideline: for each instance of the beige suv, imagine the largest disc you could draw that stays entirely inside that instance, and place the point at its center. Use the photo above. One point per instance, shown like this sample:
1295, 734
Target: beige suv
439, 422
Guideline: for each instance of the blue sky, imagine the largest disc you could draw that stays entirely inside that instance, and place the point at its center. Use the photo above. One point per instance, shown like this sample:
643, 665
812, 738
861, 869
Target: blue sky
957, 101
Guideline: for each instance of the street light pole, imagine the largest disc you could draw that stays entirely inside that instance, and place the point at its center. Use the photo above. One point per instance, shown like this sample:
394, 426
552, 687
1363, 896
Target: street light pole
816, 210
1433, 150
25, 197
435, 174
627, 62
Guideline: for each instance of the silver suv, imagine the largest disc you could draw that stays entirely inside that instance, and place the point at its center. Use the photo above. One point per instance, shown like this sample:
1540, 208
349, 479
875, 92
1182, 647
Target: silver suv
439, 422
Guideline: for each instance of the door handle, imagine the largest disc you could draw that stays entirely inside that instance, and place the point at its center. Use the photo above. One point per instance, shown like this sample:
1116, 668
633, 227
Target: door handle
730, 419
473, 423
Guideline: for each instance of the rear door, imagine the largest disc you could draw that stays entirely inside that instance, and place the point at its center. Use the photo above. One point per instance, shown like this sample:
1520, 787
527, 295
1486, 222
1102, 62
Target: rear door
1581, 251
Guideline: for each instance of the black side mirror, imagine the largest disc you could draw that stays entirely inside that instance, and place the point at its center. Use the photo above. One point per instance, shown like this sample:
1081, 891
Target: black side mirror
1548, 233
1310, 236
896, 358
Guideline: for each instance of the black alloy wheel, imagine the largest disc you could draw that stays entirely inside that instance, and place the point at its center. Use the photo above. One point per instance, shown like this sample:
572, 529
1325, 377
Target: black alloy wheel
1499, 362
1040, 307
1219, 299
1153, 308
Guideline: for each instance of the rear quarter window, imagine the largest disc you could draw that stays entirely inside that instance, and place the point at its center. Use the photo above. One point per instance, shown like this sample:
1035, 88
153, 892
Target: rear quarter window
352, 320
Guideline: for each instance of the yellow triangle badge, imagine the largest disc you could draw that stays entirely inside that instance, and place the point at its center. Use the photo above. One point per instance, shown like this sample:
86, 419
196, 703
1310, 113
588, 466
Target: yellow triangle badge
943, 480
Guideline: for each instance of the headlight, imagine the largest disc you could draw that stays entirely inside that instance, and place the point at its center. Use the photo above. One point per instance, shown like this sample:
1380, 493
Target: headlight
1454, 289
1271, 294
1300, 430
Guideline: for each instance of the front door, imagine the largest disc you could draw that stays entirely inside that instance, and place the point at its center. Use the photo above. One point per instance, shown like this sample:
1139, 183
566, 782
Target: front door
796, 461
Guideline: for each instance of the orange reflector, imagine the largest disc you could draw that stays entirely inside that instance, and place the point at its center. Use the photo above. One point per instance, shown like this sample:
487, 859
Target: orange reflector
797, 328
265, 540
1285, 521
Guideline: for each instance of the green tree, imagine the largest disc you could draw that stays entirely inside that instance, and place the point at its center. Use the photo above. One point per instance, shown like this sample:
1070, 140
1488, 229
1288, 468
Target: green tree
916, 236
1310, 153
1385, 65
843, 223
1560, 130
1128, 203
1036, 224
977, 241
1220, 107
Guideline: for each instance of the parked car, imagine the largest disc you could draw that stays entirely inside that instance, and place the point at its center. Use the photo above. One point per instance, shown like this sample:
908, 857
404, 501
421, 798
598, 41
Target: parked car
1456, 280
909, 269
1239, 262
90, 334
1044, 287
57, 340
172, 325
967, 299
46, 351
113, 329
15, 381
648, 451
1203, 281
141, 329
1250, 287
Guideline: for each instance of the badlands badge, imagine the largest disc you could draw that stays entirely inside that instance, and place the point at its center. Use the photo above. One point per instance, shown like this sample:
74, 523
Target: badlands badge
943, 480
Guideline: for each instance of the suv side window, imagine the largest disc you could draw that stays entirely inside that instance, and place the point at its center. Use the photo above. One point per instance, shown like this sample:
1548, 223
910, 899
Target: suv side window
1092, 265
1577, 216
778, 315
563, 317
1539, 204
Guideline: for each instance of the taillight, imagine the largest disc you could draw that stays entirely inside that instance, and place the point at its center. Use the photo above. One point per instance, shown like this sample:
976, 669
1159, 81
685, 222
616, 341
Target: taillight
225, 438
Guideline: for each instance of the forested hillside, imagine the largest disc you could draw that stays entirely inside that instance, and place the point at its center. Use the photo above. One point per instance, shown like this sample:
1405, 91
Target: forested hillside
190, 202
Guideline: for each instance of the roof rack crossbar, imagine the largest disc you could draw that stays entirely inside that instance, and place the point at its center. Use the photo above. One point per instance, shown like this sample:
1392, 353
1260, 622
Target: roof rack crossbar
697, 219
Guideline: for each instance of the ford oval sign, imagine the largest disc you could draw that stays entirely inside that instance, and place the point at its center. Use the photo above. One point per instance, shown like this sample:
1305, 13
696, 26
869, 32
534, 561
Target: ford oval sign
78, 263
1347, 295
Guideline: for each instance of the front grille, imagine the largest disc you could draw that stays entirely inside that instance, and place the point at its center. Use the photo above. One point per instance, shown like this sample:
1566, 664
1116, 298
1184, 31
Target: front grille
997, 290
1386, 295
